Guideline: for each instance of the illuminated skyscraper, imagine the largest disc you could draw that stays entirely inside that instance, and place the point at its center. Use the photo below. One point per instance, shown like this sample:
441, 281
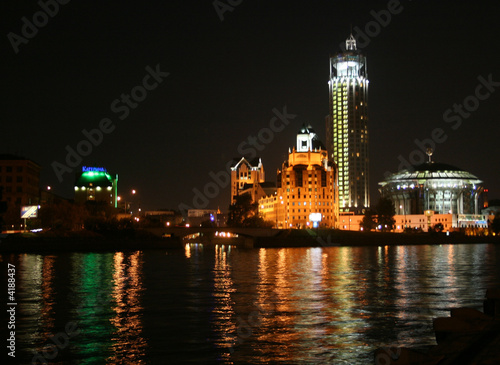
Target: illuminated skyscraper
347, 127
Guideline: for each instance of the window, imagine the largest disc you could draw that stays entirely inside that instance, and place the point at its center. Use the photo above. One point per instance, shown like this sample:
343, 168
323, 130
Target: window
19, 179
8, 169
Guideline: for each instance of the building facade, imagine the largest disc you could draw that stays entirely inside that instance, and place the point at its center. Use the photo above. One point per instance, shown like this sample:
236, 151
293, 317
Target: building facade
438, 187
435, 193
96, 184
247, 177
347, 127
19, 180
306, 194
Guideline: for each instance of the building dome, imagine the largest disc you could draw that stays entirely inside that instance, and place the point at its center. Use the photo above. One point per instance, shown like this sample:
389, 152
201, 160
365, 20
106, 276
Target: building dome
434, 171
433, 186
94, 178
96, 184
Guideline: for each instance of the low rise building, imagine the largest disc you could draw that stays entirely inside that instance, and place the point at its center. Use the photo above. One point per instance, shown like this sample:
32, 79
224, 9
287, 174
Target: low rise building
19, 180
246, 178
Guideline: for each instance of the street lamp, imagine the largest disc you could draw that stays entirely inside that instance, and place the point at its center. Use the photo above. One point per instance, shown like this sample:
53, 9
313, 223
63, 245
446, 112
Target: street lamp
126, 205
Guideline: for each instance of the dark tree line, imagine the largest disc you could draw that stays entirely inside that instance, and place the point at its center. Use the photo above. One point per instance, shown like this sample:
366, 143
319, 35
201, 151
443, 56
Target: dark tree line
382, 215
244, 213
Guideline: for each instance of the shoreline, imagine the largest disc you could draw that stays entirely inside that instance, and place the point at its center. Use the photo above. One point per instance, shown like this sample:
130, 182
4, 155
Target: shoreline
85, 242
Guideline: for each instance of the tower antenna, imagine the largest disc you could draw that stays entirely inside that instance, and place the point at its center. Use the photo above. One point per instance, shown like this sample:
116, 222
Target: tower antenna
429, 153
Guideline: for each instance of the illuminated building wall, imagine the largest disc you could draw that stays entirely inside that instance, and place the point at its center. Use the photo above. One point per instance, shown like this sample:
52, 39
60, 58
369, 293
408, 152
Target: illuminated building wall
246, 177
347, 127
306, 185
432, 186
432, 193
96, 184
268, 207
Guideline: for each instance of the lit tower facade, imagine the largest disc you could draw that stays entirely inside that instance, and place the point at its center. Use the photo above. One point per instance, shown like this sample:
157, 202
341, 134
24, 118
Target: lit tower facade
347, 127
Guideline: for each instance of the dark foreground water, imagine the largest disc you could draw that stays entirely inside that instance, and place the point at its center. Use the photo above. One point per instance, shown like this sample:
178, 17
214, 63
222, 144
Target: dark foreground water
226, 305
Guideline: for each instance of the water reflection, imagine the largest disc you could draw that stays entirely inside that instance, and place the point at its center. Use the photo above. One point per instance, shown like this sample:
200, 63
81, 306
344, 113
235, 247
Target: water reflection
227, 305
91, 289
30, 287
223, 317
127, 339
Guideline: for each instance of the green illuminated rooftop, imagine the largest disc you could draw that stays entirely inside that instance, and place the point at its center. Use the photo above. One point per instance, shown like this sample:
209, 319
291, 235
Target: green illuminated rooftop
96, 178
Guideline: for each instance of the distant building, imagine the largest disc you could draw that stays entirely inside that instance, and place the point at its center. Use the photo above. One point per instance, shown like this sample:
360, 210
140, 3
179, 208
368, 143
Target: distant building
19, 180
306, 194
347, 127
439, 187
246, 178
432, 193
198, 216
96, 184
163, 217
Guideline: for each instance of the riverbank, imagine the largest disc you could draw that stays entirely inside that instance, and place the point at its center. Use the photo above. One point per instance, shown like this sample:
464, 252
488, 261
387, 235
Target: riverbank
86, 241
331, 237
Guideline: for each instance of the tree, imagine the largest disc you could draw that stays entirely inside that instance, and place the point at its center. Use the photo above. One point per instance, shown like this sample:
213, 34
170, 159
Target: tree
368, 222
386, 212
438, 227
63, 215
256, 221
241, 209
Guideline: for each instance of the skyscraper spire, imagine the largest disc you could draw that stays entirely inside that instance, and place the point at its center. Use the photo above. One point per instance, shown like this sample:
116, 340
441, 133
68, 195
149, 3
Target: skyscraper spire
350, 43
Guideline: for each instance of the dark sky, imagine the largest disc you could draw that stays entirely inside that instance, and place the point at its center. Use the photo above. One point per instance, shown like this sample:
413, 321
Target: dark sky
226, 77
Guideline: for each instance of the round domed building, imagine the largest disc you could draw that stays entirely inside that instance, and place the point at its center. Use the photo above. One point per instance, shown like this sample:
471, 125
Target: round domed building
96, 184
436, 188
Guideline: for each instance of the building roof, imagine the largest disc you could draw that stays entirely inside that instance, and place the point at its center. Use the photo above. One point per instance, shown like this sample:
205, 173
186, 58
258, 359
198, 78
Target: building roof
315, 141
431, 170
255, 162
97, 178
306, 129
12, 157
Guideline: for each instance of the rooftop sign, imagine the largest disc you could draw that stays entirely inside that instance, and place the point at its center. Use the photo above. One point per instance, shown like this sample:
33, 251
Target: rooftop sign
93, 169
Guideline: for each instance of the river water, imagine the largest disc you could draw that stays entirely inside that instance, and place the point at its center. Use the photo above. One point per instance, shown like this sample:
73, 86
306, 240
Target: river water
225, 305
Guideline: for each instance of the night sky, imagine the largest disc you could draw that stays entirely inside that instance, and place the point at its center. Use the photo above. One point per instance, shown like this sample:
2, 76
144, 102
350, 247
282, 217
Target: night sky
222, 79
